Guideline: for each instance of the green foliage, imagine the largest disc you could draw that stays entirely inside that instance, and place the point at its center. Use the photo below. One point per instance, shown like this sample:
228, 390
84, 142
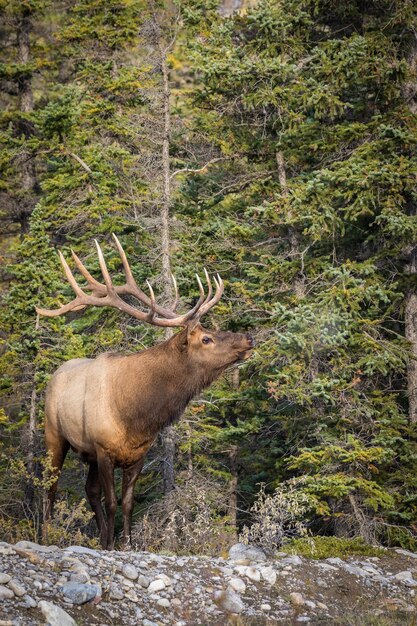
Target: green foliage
298, 151
325, 547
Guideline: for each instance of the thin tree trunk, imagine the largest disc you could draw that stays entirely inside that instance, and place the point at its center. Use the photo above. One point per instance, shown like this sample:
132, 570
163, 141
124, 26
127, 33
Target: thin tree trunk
30, 443
233, 484
410, 320
293, 236
24, 84
410, 314
168, 434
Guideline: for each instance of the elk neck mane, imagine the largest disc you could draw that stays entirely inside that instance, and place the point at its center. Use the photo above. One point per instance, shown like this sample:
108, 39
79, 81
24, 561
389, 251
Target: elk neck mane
154, 386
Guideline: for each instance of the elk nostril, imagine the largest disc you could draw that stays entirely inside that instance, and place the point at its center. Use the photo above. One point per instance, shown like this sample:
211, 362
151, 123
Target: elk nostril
250, 339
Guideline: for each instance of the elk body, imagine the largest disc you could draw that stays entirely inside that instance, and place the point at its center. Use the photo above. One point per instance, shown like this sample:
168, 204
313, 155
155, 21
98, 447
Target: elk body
110, 409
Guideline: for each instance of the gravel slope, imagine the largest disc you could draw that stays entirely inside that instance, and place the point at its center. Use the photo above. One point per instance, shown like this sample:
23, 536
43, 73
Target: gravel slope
47, 585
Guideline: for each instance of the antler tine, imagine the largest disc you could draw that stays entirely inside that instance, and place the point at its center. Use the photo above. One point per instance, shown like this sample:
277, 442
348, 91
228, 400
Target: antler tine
177, 296
152, 312
104, 270
70, 276
75, 305
93, 284
209, 303
210, 289
126, 266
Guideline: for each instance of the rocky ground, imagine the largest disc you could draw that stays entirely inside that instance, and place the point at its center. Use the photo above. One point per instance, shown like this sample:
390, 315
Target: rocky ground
47, 585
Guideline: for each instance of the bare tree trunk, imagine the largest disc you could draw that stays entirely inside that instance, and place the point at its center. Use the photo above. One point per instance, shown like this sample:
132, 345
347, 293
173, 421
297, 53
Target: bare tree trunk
410, 320
24, 84
233, 484
410, 314
168, 434
293, 236
30, 440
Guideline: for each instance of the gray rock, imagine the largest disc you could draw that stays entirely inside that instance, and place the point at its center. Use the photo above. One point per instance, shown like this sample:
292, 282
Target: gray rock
115, 593
79, 593
4, 578
129, 571
296, 598
30, 545
82, 550
5, 593
164, 602
237, 584
244, 554
294, 559
412, 555
30, 603
55, 616
166, 580
147, 622
229, 601
253, 574
17, 588
269, 575
156, 585
406, 577
144, 581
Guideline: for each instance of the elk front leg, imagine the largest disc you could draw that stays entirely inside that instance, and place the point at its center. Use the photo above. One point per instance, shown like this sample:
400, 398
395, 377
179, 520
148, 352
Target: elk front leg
106, 475
130, 476
93, 490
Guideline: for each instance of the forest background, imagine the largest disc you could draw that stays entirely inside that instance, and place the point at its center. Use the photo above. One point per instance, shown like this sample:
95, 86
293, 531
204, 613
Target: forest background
273, 142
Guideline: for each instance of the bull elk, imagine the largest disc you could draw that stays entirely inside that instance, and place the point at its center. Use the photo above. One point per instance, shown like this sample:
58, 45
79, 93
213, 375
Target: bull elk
110, 409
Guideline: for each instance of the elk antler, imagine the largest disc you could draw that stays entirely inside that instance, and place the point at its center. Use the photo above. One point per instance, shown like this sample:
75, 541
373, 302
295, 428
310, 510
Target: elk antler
109, 294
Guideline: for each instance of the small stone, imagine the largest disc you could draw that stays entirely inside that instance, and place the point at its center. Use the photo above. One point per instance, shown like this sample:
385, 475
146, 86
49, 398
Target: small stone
30, 603
165, 579
237, 584
55, 616
269, 575
244, 554
176, 602
296, 598
17, 588
292, 560
253, 574
4, 578
164, 602
229, 601
115, 593
83, 550
156, 585
322, 606
129, 571
265, 607
406, 577
30, 545
5, 593
79, 593
413, 555
144, 581
147, 622
132, 595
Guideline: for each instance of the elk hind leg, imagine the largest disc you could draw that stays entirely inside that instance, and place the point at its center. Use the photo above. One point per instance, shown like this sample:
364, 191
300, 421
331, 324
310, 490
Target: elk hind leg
106, 474
58, 448
93, 491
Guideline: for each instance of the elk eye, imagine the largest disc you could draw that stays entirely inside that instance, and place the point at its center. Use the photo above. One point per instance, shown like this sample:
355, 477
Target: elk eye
207, 340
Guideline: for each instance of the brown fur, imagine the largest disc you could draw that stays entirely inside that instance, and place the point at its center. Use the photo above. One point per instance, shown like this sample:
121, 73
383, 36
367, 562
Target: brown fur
111, 409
